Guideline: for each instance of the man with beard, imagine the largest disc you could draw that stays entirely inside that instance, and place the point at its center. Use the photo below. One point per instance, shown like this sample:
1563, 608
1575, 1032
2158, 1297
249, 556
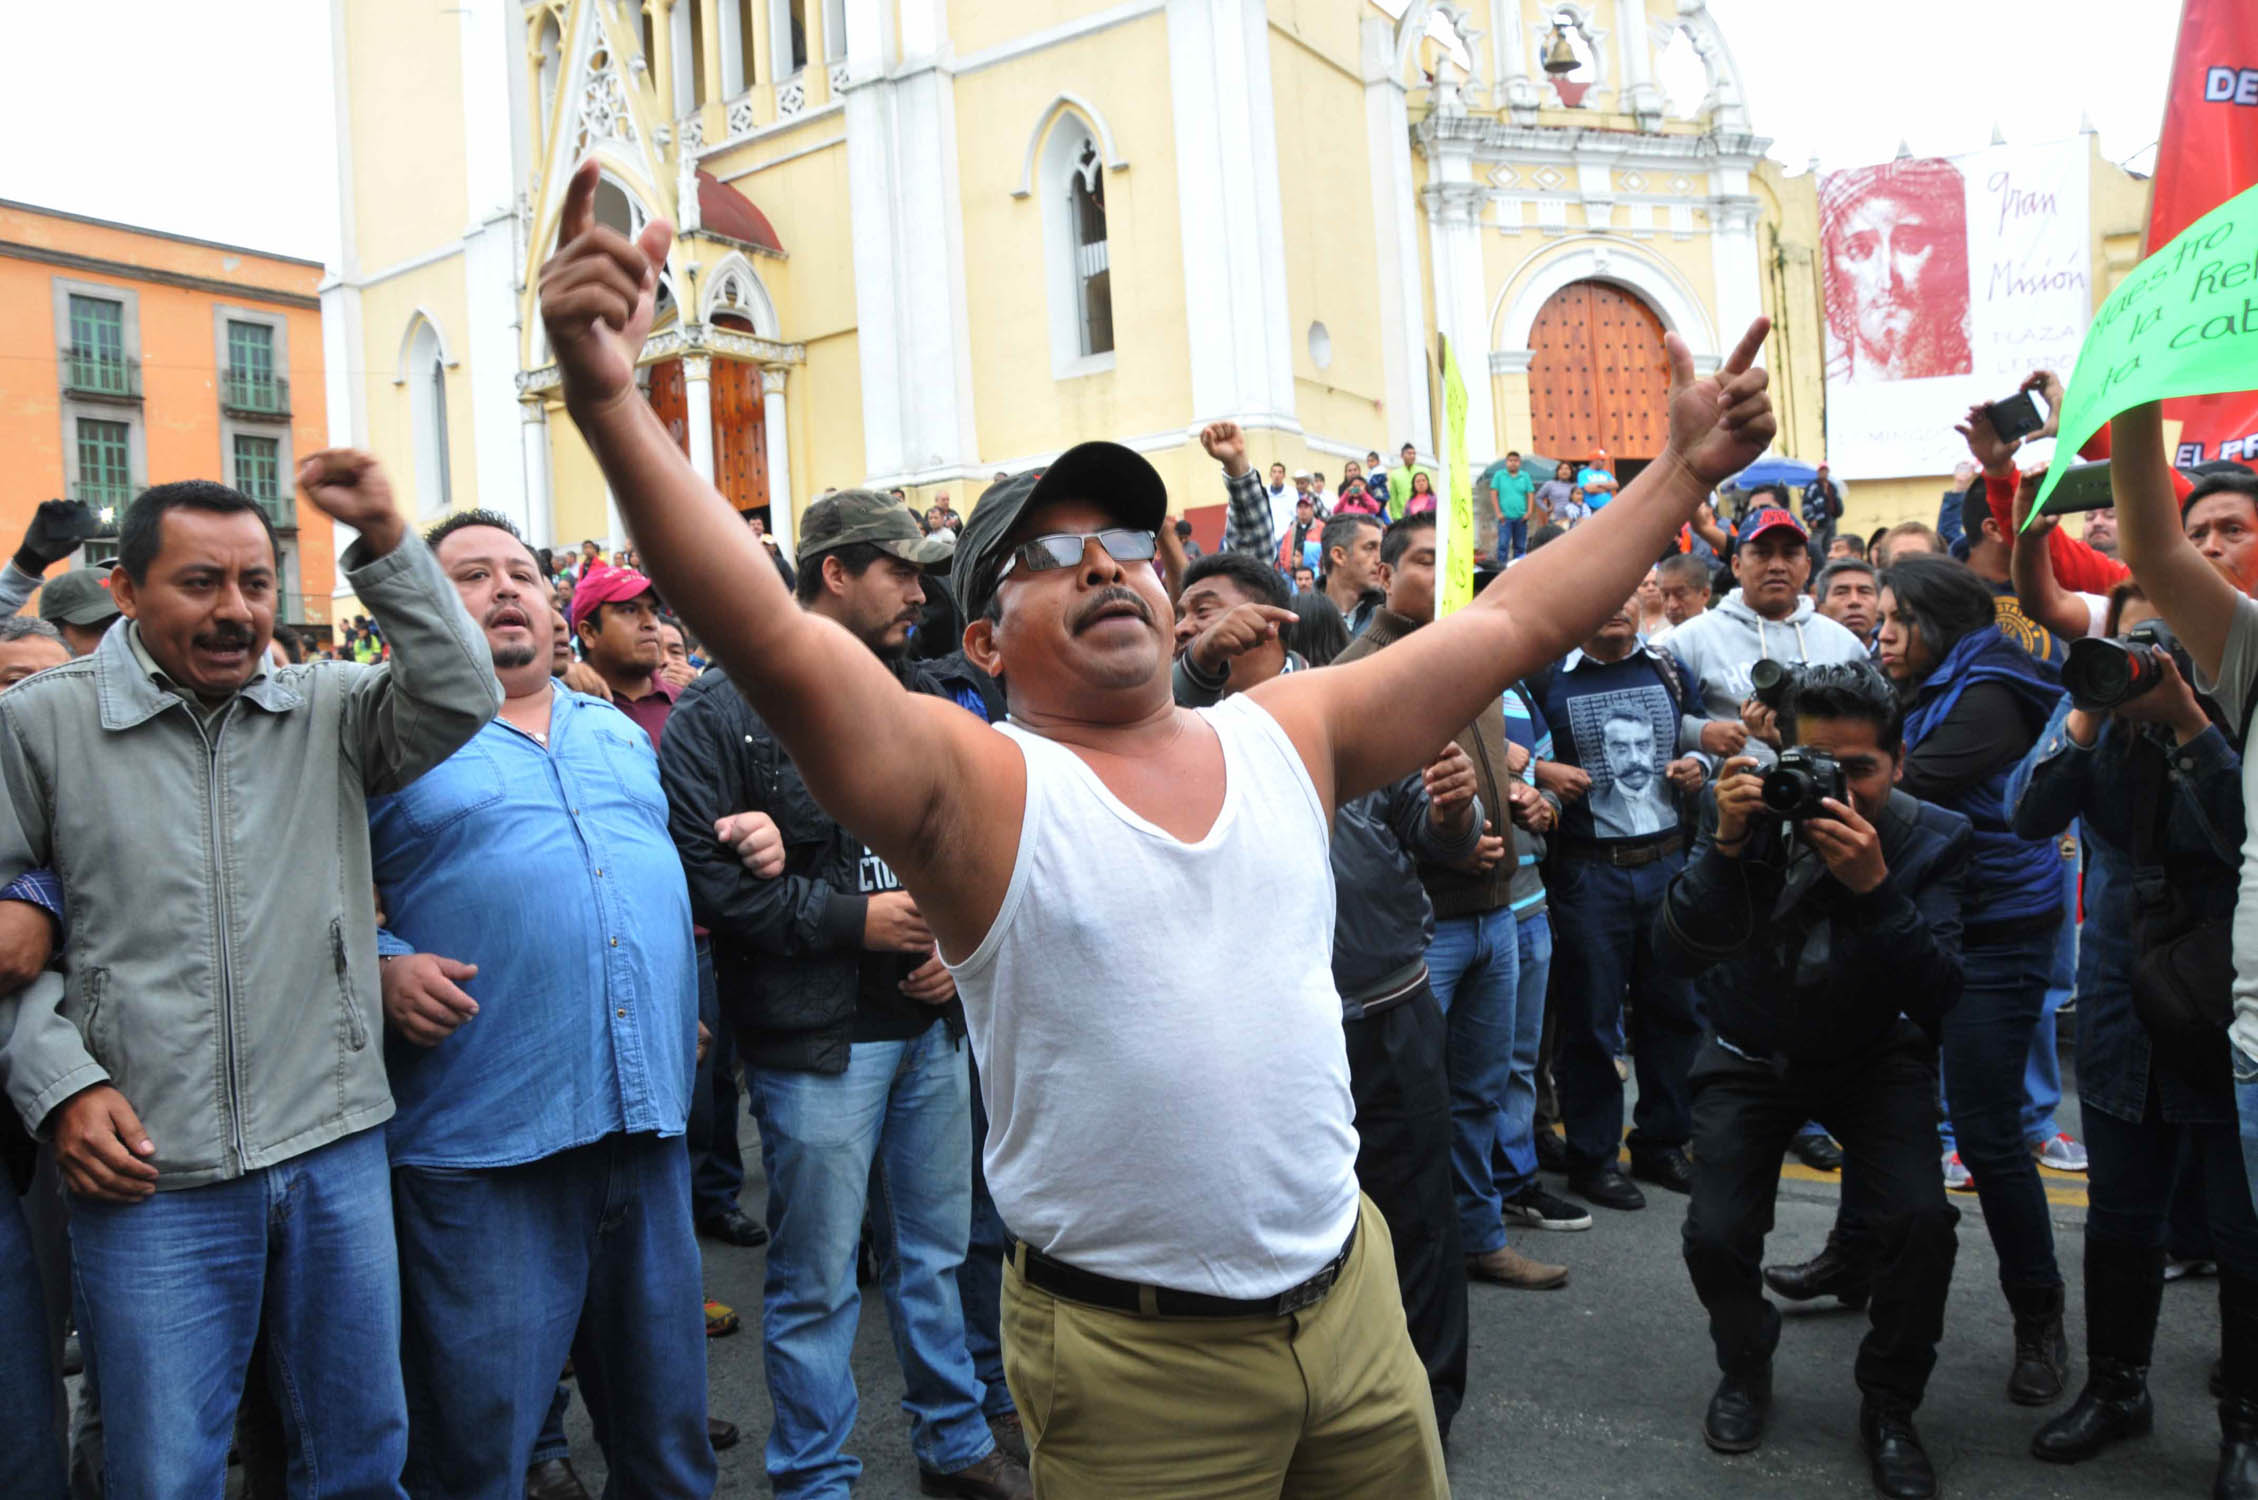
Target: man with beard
1896, 238
541, 1000
616, 616
853, 1044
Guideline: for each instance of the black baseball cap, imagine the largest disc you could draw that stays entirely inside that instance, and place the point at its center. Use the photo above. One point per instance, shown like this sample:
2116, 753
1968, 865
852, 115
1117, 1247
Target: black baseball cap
1117, 478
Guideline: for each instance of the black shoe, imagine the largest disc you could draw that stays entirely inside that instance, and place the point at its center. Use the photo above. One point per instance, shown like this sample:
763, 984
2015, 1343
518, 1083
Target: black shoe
1552, 1151
2042, 1354
2238, 1451
1538, 1209
1828, 1274
1901, 1465
2113, 1406
723, 1435
553, 1479
1816, 1150
1735, 1420
1607, 1187
1665, 1167
731, 1227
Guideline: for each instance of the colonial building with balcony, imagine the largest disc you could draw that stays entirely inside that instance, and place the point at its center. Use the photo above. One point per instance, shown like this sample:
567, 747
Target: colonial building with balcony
136, 357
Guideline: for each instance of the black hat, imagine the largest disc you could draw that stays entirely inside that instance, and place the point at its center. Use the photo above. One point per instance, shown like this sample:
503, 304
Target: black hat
1115, 477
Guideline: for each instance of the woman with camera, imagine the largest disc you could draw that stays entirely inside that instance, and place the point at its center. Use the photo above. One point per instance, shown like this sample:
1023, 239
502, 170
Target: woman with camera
1975, 703
2133, 754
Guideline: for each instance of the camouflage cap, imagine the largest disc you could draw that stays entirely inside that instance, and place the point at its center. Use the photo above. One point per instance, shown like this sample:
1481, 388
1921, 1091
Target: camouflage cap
853, 516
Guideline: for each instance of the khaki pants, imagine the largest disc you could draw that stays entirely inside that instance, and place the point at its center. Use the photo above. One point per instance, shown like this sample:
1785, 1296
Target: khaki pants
1327, 1402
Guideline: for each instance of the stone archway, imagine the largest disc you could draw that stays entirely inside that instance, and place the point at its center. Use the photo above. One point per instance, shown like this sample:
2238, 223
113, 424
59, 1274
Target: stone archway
1599, 376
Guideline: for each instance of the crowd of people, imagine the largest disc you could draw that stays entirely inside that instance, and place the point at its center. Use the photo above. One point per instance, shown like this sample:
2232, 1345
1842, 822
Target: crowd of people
398, 1083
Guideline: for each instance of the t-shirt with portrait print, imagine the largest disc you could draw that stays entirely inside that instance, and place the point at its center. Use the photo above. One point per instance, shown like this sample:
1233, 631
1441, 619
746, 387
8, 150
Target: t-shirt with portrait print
1618, 721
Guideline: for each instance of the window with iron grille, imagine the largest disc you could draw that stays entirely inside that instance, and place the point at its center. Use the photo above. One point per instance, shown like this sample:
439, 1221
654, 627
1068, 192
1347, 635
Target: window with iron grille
258, 471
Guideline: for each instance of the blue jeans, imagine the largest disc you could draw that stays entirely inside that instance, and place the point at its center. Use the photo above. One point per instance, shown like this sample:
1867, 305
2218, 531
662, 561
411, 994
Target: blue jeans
30, 1446
1515, 1161
1512, 537
1473, 965
174, 1289
980, 1282
506, 1270
2246, 1113
1603, 919
1987, 1043
717, 1160
905, 1107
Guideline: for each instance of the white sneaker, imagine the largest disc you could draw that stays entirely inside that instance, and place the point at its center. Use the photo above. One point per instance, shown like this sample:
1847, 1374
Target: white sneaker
2061, 1153
1956, 1177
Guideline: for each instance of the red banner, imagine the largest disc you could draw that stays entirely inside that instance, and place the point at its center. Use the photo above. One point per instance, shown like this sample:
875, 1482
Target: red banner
2208, 154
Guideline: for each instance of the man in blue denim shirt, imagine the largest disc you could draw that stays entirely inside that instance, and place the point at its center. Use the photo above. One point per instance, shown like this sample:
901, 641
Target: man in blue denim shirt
541, 996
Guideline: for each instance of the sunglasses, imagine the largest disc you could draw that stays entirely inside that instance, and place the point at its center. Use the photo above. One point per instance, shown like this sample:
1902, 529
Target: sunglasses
1064, 549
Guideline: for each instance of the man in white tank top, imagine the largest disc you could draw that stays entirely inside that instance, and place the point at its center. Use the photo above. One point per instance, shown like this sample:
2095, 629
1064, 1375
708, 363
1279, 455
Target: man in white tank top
1137, 904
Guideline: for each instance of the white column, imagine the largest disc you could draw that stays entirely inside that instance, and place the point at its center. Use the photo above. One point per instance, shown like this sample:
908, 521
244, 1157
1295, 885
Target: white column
779, 458
676, 38
1454, 239
1516, 91
1230, 215
697, 390
1733, 256
1403, 314
1640, 98
733, 42
540, 505
913, 321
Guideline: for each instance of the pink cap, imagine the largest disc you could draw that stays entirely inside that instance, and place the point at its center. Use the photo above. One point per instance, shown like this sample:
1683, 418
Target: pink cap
604, 585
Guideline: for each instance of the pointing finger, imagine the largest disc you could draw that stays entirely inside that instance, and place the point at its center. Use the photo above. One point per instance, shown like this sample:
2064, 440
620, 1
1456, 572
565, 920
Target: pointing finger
654, 240
1744, 353
580, 203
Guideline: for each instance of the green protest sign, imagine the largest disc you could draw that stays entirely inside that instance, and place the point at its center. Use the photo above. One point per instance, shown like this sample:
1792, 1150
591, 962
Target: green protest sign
2175, 327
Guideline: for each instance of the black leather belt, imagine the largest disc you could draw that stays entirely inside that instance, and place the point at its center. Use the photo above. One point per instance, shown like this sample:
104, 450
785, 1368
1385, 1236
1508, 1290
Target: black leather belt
1141, 1301
1627, 856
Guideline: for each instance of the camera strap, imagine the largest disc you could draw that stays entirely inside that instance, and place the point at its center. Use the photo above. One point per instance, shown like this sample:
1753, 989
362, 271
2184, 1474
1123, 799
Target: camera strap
2153, 897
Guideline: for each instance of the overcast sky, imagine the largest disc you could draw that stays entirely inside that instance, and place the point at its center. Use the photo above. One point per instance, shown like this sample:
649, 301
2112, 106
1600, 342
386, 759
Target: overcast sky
214, 118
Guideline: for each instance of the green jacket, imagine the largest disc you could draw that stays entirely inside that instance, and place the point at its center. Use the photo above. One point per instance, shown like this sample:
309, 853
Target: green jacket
220, 962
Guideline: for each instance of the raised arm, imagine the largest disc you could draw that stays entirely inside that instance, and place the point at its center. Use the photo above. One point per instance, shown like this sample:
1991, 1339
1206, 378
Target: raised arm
2197, 600
2031, 564
1247, 526
818, 688
1383, 716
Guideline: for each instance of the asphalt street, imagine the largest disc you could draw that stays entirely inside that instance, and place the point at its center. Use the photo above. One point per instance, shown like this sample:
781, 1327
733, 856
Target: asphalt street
1596, 1391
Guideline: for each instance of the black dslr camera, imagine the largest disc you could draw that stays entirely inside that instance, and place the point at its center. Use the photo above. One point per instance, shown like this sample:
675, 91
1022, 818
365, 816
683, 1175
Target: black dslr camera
2104, 674
1801, 781
1770, 682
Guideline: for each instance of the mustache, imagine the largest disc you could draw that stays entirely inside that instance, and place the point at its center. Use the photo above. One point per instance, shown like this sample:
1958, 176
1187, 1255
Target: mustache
1106, 598
225, 638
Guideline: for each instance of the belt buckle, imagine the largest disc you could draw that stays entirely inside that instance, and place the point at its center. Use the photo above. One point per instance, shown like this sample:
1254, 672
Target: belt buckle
1309, 1293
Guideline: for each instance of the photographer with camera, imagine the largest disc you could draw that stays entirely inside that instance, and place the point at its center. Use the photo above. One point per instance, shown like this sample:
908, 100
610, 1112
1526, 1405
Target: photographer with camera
1821, 914
1974, 705
2133, 755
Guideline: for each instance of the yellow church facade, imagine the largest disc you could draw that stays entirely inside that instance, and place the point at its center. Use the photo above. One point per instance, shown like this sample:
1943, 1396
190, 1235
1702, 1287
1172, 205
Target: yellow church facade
925, 241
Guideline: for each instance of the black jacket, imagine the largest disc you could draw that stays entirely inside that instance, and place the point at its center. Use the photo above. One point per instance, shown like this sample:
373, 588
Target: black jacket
1793, 965
787, 952
1383, 920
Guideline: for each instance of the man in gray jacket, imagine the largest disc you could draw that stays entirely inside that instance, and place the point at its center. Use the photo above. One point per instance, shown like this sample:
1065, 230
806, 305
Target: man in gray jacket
205, 1064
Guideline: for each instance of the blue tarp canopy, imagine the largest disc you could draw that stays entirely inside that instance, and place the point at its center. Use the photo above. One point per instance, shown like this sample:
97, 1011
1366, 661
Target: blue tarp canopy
1774, 471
